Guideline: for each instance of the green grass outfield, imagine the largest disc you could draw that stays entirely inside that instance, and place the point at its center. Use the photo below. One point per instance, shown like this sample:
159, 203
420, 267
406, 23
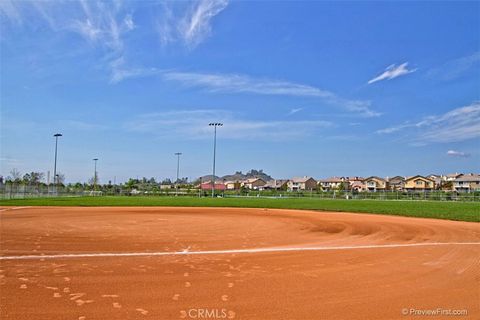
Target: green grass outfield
462, 211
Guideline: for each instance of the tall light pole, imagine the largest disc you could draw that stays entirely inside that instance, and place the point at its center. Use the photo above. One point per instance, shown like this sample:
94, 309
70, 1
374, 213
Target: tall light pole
178, 154
95, 174
55, 178
214, 125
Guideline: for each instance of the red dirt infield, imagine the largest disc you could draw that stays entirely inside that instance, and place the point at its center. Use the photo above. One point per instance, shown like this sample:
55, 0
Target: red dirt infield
195, 263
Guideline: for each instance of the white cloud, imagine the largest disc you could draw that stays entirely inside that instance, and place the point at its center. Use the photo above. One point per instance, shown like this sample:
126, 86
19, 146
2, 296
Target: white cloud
244, 84
392, 72
87, 30
189, 26
193, 124
165, 25
195, 25
233, 83
10, 10
294, 110
455, 68
120, 71
103, 23
456, 125
128, 22
460, 154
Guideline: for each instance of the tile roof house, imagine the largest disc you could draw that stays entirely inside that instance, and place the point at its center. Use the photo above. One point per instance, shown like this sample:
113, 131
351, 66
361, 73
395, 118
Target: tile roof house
331, 183
396, 183
375, 183
301, 183
438, 179
419, 183
357, 186
207, 185
467, 183
452, 176
232, 185
275, 185
253, 183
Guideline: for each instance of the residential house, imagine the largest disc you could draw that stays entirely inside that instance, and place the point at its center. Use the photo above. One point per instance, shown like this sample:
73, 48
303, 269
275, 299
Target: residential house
253, 183
358, 186
208, 186
332, 183
452, 176
275, 185
232, 185
301, 183
438, 179
375, 184
354, 184
467, 183
419, 183
396, 183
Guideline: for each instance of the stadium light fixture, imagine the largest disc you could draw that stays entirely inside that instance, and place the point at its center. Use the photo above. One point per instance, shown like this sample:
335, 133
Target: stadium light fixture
95, 174
214, 125
178, 154
55, 176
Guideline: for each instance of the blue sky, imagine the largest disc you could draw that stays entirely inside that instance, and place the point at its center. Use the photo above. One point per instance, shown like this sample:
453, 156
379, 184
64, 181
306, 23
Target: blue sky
302, 87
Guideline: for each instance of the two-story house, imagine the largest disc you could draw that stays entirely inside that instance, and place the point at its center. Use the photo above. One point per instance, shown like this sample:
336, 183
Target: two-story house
419, 183
301, 183
375, 184
467, 183
253, 183
332, 183
396, 183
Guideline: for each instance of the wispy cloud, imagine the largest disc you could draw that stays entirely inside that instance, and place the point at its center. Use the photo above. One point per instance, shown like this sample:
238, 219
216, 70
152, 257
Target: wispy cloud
234, 83
456, 125
193, 125
459, 154
104, 24
195, 25
456, 68
190, 26
392, 72
10, 10
121, 71
244, 84
294, 110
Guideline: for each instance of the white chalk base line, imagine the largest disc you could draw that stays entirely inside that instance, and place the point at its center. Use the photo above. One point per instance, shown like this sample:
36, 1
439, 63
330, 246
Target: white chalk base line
232, 251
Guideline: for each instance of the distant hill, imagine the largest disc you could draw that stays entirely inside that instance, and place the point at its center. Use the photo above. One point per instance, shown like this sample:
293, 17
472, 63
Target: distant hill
238, 176
250, 174
208, 177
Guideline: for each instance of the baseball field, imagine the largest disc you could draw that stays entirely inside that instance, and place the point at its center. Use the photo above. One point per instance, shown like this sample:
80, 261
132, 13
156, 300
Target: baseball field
190, 258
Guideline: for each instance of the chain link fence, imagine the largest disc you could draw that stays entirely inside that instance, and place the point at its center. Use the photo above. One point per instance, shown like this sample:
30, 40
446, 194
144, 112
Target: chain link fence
21, 191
